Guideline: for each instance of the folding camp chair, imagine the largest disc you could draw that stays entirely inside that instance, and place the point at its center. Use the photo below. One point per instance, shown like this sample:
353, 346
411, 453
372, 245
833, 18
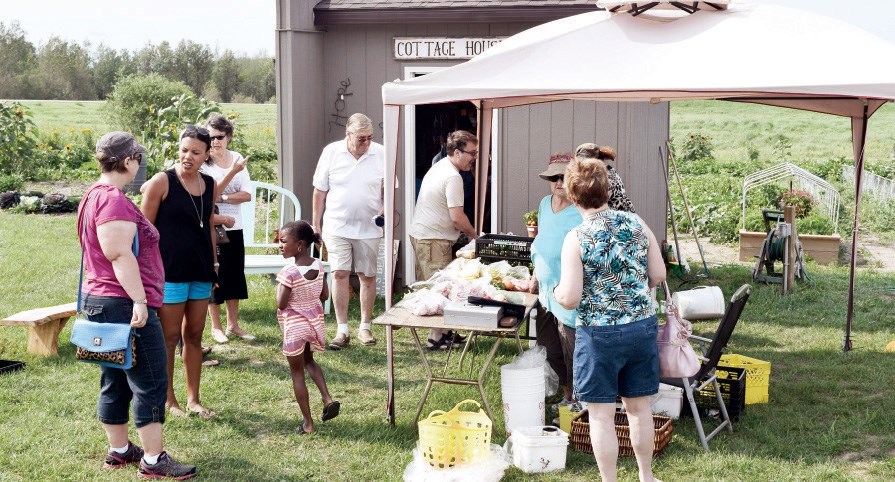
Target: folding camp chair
712, 351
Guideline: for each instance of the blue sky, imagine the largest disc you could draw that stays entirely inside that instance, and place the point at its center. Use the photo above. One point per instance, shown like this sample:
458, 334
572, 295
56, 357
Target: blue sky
247, 26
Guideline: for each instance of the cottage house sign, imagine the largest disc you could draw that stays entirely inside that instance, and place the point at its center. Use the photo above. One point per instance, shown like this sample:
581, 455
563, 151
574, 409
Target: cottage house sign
407, 48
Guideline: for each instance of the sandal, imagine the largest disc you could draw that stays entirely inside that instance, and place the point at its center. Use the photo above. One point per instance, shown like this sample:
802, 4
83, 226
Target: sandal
456, 337
211, 363
442, 344
200, 411
330, 411
206, 350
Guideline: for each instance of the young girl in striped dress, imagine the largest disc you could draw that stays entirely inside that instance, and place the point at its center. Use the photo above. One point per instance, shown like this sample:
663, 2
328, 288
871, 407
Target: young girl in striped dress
301, 289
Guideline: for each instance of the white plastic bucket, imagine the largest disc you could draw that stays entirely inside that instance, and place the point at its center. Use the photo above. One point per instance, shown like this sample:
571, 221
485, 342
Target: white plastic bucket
523, 393
668, 401
702, 303
538, 449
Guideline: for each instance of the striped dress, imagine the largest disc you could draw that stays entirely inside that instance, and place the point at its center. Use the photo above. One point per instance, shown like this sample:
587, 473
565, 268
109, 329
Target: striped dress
302, 320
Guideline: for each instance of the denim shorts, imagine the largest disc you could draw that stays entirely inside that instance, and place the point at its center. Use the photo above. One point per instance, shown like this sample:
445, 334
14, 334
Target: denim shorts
191, 290
147, 382
616, 360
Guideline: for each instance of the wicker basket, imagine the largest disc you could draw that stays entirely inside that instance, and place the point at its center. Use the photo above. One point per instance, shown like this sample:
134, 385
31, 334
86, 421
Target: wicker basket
452, 438
581, 434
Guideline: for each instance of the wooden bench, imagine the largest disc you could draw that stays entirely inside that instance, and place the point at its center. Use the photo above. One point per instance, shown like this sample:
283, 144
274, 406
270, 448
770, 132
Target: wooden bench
44, 326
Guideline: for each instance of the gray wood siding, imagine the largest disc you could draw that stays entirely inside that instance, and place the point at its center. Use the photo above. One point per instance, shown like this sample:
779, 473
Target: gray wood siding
308, 83
530, 134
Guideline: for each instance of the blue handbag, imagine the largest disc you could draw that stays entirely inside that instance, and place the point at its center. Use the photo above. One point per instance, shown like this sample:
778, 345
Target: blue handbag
108, 344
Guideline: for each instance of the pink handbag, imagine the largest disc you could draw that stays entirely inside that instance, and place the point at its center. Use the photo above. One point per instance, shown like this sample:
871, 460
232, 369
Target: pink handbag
677, 359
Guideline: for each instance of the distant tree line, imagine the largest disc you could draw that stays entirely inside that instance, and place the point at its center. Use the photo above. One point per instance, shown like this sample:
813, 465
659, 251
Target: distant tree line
65, 70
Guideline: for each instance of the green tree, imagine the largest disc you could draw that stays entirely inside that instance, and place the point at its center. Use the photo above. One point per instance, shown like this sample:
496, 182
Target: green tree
136, 100
226, 76
193, 64
156, 59
63, 71
258, 78
109, 65
17, 63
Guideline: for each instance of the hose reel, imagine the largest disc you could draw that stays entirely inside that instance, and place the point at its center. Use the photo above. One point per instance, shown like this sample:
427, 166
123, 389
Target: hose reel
775, 248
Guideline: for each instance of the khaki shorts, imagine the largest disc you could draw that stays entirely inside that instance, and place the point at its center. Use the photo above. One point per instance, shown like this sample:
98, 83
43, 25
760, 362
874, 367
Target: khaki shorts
344, 253
431, 255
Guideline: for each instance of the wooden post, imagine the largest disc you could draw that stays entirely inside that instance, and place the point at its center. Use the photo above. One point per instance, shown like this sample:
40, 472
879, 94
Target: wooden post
789, 267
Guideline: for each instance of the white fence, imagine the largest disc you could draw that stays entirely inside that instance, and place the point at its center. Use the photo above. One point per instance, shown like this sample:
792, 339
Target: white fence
877, 185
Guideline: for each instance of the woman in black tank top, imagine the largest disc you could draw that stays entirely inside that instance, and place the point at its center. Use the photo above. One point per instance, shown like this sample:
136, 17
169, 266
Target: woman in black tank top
179, 202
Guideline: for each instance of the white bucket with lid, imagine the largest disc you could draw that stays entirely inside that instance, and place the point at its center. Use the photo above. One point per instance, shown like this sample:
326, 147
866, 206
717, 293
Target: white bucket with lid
538, 449
702, 303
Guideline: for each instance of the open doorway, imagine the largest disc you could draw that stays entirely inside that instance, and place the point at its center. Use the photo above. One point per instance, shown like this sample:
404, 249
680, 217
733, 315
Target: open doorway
425, 133
433, 124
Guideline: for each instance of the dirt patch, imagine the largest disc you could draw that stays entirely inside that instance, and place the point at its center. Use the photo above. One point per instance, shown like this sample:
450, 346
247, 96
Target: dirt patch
68, 188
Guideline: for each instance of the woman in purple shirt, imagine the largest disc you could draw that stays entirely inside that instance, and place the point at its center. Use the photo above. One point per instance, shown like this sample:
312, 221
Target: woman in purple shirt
123, 284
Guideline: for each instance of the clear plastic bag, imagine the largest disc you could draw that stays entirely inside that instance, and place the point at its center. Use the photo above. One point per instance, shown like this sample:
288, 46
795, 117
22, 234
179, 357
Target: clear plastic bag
490, 470
535, 357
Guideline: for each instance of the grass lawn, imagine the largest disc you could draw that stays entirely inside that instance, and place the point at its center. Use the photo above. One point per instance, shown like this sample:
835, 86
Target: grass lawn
829, 416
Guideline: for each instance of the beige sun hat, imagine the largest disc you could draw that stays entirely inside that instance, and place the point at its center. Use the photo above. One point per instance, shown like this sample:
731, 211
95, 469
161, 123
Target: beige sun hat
556, 166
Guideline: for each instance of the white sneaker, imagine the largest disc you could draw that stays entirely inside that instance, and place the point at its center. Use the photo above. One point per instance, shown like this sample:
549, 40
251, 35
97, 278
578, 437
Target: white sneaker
219, 336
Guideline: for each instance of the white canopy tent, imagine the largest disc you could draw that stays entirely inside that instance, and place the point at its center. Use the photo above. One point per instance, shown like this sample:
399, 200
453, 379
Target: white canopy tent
748, 52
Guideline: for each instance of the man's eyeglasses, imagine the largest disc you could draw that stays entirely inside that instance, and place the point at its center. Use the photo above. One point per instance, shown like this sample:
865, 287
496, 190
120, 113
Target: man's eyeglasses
219, 138
471, 153
137, 156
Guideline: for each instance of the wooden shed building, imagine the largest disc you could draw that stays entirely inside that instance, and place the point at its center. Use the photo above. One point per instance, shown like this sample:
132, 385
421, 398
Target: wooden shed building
333, 57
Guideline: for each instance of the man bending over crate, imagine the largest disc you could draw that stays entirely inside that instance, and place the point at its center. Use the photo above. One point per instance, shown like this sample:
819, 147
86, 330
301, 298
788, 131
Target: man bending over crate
438, 218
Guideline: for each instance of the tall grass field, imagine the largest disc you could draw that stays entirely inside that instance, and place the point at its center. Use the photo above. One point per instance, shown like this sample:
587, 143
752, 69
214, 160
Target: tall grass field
734, 128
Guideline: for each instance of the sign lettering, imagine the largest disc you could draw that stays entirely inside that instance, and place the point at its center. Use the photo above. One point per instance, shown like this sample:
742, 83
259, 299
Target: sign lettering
442, 48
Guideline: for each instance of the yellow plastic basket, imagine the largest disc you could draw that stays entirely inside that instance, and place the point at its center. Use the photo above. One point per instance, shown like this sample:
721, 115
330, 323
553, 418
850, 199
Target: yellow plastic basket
455, 437
758, 375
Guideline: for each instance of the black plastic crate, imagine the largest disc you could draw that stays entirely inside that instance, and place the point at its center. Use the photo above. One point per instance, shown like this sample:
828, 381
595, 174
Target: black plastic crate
503, 247
9, 366
732, 382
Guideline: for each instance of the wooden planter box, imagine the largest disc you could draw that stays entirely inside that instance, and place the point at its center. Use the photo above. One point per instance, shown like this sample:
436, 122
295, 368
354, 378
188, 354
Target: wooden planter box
822, 249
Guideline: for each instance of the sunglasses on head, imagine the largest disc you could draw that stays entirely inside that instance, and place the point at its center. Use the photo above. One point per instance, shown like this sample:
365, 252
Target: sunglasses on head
192, 130
137, 156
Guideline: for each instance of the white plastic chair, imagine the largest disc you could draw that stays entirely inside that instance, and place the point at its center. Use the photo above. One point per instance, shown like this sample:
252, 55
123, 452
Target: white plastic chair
269, 209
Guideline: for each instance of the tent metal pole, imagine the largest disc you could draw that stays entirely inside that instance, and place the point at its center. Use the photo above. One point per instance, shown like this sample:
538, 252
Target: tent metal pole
859, 137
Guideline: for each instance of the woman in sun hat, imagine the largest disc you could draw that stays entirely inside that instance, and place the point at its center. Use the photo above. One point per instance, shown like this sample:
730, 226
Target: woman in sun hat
123, 284
555, 324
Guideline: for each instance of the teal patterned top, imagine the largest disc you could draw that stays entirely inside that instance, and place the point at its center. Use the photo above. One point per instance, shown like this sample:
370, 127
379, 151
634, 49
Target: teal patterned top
614, 249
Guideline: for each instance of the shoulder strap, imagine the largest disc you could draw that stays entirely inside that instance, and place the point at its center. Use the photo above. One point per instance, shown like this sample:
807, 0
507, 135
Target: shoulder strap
135, 245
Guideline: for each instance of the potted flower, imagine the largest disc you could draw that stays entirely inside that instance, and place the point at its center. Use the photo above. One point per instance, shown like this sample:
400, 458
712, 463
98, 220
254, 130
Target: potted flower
531, 223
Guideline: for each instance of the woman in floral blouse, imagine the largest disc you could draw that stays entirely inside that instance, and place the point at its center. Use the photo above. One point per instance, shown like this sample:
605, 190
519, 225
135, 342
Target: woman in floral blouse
609, 263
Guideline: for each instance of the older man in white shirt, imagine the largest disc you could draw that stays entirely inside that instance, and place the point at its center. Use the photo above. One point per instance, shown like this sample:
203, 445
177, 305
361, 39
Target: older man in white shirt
348, 195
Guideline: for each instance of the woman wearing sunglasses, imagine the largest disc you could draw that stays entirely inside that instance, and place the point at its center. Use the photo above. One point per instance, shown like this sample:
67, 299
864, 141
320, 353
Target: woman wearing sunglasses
231, 275
123, 284
180, 202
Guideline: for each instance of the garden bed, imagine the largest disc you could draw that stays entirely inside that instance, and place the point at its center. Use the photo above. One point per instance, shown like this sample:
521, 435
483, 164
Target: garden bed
822, 249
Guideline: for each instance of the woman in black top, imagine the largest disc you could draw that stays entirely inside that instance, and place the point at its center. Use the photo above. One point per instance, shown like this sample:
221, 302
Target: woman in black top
180, 202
